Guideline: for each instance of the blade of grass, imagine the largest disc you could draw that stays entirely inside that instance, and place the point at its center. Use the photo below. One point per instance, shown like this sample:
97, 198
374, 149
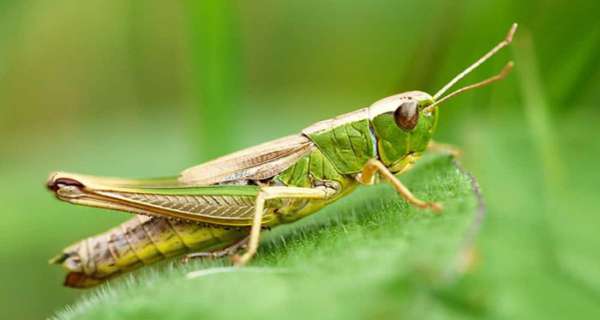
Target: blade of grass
574, 73
216, 75
544, 140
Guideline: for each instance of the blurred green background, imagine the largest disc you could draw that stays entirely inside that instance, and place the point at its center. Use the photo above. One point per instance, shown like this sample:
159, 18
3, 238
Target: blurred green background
135, 89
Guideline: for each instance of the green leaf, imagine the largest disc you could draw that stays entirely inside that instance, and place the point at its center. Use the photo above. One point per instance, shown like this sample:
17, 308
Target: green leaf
369, 255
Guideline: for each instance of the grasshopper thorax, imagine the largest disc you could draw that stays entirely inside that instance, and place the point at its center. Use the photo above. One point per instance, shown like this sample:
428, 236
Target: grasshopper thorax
402, 126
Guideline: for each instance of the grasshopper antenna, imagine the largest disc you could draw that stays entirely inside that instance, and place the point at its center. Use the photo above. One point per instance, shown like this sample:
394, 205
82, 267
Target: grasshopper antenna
501, 75
507, 40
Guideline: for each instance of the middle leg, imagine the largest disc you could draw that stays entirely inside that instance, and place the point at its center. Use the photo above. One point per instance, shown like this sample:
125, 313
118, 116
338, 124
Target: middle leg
268, 193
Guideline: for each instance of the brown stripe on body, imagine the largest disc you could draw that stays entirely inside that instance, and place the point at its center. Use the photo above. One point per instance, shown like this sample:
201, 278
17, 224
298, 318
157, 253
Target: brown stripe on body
163, 237
139, 241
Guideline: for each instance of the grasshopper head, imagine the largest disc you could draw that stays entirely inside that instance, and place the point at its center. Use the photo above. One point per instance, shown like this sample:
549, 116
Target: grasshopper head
403, 126
404, 123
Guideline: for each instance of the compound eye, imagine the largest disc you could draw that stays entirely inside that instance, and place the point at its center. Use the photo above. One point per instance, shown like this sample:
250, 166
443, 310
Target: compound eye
407, 115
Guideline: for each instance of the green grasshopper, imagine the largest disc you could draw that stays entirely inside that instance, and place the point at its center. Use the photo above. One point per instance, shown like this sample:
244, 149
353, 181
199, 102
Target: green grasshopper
220, 207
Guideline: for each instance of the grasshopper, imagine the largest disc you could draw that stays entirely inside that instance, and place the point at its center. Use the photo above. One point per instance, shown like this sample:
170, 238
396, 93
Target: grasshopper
218, 208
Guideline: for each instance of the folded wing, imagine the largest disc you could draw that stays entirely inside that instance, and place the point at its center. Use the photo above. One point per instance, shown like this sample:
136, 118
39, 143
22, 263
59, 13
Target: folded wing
257, 163
219, 204
205, 193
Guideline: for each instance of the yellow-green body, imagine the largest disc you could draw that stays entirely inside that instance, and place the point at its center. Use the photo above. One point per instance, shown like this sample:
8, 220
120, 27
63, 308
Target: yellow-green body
213, 205
337, 150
